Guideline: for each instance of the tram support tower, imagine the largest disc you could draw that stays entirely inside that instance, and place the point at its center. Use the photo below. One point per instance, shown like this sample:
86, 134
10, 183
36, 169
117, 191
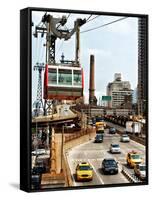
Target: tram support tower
53, 28
38, 104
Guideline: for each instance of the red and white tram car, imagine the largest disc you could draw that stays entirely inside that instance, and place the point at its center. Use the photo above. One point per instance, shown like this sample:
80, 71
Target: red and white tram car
63, 82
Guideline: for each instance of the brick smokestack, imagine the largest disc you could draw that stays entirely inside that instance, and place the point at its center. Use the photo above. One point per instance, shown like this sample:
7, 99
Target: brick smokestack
92, 98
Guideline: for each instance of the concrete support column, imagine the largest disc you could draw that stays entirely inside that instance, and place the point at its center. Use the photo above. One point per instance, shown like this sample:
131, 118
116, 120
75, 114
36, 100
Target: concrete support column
53, 154
59, 141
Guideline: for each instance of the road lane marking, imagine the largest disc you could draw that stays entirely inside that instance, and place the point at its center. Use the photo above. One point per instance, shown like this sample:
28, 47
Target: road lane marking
95, 171
97, 153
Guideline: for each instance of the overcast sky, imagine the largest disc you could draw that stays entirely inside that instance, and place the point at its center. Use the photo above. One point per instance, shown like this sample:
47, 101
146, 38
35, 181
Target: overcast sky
115, 48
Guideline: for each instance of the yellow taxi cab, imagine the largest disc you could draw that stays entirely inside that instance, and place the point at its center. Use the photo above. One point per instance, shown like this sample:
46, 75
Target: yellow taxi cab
100, 129
84, 171
100, 122
133, 159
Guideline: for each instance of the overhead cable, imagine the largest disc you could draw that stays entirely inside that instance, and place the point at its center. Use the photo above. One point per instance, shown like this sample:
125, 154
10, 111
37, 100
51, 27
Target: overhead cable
112, 22
93, 18
88, 18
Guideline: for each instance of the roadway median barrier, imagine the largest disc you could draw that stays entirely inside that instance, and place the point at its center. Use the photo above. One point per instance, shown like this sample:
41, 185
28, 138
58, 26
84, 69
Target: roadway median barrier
131, 177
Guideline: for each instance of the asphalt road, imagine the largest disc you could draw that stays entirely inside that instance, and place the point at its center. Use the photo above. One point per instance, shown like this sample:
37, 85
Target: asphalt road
94, 153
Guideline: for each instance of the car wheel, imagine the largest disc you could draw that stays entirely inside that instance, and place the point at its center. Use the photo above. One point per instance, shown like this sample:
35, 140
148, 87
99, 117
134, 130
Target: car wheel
104, 171
116, 172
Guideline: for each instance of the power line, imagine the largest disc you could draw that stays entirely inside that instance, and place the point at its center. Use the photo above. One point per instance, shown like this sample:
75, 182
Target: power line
59, 48
36, 48
68, 16
103, 25
42, 50
88, 18
93, 18
66, 27
66, 19
39, 23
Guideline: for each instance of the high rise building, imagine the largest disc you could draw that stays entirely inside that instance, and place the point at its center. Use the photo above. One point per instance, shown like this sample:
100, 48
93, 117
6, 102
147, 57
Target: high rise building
119, 91
142, 64
134, 101
134, 96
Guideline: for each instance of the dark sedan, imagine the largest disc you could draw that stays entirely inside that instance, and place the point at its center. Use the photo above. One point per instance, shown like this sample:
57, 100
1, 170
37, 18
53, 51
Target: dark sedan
98, 138
112, 130
38, 170
36, 181
109, 166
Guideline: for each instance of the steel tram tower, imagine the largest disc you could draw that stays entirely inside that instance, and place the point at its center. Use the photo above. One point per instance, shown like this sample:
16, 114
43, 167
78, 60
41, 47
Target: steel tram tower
38, 104
51, 27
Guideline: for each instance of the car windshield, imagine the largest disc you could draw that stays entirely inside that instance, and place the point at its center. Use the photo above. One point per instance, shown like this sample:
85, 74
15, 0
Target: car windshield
40, 150
112, 129
99, 119
142, 168
115, 145
135, 156
99, 136
99, 131
110, 163
125, 136
87, 167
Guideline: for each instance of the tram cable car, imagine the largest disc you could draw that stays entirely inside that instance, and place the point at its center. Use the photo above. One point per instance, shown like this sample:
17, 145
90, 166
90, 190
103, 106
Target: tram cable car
63, 82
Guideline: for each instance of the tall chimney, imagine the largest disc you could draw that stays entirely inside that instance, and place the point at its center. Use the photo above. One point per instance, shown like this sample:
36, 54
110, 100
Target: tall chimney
92, 98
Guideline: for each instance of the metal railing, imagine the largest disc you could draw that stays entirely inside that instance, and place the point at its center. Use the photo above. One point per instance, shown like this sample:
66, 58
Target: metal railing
78, 134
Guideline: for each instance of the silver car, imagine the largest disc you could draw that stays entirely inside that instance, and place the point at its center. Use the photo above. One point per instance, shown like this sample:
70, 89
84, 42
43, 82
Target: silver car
125, 138
140, 171
115, 148
39, 152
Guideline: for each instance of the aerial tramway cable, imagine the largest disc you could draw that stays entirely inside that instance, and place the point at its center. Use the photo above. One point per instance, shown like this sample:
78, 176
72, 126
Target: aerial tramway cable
103, 25
88, 18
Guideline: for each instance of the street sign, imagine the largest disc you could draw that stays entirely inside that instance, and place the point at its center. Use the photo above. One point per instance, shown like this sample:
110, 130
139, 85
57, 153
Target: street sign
106, 98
